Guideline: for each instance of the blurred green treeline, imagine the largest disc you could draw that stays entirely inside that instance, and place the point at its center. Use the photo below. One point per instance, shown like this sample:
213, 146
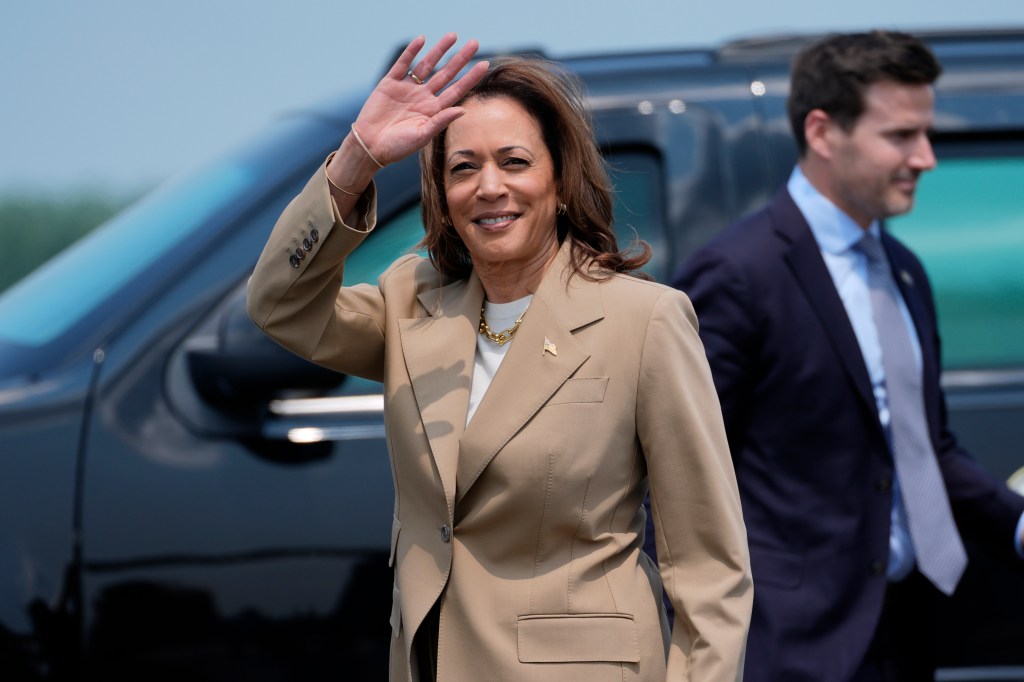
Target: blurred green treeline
35, 226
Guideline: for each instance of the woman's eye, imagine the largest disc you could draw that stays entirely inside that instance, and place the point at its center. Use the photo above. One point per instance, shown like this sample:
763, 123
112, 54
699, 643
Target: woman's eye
459, 167
516, 161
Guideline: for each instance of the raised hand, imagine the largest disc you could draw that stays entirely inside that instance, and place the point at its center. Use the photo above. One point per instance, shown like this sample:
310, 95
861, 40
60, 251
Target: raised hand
410, 105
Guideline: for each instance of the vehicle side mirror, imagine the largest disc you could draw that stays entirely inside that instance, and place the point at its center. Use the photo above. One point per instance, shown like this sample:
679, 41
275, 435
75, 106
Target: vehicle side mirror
245, 368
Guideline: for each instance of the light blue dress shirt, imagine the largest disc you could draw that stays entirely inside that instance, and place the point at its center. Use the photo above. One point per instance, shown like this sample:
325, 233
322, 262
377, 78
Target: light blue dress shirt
837, 235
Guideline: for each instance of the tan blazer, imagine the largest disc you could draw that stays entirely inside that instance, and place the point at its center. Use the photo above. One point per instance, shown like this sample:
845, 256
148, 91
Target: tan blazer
527, 524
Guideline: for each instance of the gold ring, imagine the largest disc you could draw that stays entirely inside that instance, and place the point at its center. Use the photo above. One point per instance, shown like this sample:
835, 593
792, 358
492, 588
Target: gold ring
414, 77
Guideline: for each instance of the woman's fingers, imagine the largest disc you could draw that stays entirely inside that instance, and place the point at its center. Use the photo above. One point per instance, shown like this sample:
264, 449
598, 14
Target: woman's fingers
423, 70
401, 67
451, 70
463, 85
422, 73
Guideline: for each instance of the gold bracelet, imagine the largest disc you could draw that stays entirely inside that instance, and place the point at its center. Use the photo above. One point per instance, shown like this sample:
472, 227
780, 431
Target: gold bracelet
331, 182
365, 148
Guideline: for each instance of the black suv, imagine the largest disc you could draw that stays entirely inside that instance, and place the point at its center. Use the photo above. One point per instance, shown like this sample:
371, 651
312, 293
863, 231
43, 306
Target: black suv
181, 499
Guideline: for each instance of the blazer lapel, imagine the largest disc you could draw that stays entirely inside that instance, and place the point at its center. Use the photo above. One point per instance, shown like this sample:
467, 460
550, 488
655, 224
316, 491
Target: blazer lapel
805, 261
439, 352
530, 372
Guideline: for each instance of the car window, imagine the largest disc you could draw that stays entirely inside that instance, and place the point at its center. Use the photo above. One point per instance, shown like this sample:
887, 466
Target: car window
73, 296
967, 226
397, 237
59, 293
637, 179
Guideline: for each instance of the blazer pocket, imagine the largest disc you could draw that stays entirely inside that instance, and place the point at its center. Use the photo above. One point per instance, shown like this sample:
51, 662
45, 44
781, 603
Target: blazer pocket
778, 567
578, 637
581, 390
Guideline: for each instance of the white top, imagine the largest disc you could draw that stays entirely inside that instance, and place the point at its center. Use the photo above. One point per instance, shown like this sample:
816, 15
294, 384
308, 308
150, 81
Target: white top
489, 354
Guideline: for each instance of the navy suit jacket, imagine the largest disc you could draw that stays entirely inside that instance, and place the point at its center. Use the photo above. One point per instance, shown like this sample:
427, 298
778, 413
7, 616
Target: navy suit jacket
814, 470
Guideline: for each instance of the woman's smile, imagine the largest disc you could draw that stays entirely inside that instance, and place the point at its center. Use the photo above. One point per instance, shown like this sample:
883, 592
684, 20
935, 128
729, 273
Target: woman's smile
495, 222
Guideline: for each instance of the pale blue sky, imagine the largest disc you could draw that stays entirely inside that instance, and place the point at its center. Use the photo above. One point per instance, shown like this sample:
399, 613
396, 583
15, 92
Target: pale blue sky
121, 94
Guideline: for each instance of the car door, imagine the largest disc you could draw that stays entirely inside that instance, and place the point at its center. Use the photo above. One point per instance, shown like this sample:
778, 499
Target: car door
237, 500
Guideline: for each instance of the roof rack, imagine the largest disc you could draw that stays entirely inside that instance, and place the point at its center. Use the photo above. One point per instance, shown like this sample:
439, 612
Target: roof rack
944, 42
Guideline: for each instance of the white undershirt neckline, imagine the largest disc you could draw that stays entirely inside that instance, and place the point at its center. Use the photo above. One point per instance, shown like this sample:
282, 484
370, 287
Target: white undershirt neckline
489, 354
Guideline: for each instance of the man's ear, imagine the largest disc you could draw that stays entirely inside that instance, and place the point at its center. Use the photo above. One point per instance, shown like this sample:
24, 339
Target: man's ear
818, 131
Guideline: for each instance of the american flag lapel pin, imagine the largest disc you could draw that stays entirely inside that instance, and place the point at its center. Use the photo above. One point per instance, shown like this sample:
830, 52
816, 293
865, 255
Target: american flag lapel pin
550, 347
907, 279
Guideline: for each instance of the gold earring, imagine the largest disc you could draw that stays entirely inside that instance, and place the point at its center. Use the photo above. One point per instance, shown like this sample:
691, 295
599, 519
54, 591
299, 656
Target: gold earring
562, 209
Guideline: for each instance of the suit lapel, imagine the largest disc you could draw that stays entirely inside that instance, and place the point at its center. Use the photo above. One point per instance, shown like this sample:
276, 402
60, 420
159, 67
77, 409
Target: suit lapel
805, 261
439, 352
530, 373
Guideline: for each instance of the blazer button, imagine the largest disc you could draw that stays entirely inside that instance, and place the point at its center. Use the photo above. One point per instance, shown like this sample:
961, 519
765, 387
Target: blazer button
446, 533
314, 234
306, 244
294, 260
299, 253
877, 567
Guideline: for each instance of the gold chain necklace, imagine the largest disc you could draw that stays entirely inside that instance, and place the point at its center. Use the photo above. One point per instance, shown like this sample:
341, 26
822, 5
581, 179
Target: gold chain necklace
502, 337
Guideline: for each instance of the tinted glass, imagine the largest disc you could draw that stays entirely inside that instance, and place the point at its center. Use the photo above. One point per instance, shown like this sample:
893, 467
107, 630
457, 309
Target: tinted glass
58, 294
71, 303
384, 246
967, 226
636, 177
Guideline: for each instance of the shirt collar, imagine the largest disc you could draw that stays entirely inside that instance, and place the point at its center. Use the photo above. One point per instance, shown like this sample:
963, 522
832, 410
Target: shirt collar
834, 231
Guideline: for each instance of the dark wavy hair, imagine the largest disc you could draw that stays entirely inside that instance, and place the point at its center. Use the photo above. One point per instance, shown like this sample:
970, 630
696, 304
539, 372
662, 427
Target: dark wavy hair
833, 74
554, 97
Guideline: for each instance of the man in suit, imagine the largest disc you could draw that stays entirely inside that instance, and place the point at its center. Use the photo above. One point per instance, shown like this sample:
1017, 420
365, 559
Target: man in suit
821, 333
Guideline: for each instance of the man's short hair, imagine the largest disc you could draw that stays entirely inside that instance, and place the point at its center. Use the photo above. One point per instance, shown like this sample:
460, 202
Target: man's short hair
832, 74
